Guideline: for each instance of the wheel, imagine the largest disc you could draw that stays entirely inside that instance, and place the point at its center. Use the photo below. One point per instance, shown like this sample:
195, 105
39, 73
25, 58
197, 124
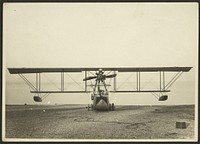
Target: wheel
110, 107
113, 107
92, 97
88, 107
92, 107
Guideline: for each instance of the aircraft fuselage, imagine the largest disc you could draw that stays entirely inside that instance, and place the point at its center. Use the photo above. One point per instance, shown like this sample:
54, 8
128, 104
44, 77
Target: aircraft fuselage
101, 102
100, 96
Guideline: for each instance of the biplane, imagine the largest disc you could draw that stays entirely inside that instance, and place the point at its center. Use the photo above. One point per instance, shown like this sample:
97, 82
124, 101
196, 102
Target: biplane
100, 93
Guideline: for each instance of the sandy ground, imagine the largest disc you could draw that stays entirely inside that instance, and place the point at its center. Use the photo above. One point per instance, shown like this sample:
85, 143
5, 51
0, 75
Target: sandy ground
75, 122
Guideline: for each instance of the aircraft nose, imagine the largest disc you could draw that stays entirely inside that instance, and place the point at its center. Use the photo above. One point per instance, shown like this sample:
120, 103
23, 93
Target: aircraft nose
102, 105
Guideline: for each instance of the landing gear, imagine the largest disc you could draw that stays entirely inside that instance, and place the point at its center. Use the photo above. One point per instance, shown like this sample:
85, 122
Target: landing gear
90, 107
92, 97
112, 107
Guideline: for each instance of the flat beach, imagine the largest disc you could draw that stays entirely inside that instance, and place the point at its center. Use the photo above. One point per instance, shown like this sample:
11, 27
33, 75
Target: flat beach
76, 122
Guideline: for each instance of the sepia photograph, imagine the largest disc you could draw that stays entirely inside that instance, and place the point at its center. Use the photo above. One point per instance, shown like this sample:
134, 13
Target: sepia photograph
96, 72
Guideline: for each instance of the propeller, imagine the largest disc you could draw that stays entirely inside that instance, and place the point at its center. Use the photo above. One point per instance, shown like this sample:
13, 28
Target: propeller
100, 76
89, 78
111, 76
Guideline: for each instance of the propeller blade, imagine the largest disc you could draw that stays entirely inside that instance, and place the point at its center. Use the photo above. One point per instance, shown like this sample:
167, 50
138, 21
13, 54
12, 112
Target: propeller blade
89, 78
111, 76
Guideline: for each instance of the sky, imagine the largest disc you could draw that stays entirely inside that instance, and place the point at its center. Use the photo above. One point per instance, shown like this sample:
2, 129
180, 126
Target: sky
100, 35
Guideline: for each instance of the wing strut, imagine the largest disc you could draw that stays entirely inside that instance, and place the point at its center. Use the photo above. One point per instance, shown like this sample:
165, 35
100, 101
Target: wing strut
62, 81
138, 81
114, 81
38, 81
85, 81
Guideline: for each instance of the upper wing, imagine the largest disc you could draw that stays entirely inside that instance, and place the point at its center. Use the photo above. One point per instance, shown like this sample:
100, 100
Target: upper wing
119, 69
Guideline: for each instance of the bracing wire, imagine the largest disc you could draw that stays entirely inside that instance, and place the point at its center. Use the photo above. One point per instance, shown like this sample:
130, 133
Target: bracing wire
154, 95
75, 82
173, 80
125, 81
45, 96
29, 88
110, 83
27, 82
148, 82
91, 73
91, 84
109, 72
51, 82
